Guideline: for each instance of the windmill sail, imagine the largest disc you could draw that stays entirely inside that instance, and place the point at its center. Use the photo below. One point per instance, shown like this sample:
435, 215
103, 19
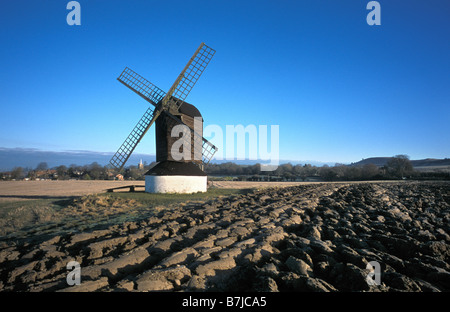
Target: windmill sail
141, 86
123, 153
208, 151
189, 76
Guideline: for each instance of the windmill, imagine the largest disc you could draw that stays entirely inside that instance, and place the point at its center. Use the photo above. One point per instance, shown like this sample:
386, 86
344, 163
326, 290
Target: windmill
171, 174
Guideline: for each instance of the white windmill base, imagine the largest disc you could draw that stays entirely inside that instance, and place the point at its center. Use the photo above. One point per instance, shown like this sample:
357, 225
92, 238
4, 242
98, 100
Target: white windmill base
175, 184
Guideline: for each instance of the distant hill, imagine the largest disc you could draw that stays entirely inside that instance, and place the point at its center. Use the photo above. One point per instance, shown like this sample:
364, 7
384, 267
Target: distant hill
378, 161
381, 161
431, 162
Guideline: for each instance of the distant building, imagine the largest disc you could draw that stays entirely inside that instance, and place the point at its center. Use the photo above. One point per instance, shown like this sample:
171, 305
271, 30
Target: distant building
140, 165
45, 174
6, 175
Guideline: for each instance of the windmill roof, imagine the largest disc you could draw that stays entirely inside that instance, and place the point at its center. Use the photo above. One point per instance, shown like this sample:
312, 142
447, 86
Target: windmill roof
190, 110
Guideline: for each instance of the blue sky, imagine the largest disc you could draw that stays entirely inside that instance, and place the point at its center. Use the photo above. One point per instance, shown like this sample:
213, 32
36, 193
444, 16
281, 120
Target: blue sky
339, 89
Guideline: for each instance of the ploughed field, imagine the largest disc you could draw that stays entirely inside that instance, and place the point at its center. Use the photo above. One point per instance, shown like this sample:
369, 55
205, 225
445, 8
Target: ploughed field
310, 237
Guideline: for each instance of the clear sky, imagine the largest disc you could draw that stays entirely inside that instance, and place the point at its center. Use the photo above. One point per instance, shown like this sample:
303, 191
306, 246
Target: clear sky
339, 89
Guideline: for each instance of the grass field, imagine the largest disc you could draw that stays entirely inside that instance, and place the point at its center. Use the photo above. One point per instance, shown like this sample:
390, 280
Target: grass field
167, 199
50, 215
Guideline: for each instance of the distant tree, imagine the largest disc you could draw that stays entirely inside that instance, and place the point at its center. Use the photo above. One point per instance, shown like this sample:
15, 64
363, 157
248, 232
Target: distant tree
96, 171
399, 166
31, 174
42, 166
300, 171
17, 173
288, 168
133, 173
255, 169
311, 170
327, 173
340, 170
369, 171
353, 173
61, 171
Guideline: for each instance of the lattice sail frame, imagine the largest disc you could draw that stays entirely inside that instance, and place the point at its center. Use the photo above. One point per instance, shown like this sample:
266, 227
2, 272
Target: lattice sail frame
124, 152
144, 88
188, 77
171, 101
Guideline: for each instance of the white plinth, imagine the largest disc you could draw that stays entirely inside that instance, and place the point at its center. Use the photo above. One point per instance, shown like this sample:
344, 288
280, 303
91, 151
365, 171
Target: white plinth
175, 184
